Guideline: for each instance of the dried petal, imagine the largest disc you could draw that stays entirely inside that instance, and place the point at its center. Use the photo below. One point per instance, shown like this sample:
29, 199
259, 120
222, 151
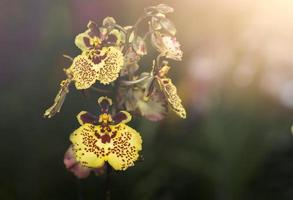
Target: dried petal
59, 99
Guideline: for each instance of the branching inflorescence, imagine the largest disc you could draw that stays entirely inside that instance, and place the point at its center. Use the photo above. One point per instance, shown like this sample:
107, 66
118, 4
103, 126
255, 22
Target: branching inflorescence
110, 55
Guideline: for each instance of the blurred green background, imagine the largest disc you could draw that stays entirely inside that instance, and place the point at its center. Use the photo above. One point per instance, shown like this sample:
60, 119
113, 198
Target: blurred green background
236, 81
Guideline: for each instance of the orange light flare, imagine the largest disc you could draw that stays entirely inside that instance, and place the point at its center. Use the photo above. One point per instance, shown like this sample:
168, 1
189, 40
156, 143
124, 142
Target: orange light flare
237, 44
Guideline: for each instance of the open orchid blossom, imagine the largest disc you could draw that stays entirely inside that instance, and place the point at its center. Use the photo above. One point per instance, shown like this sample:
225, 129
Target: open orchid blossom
111, 54
105, 138
110, 57
101, 60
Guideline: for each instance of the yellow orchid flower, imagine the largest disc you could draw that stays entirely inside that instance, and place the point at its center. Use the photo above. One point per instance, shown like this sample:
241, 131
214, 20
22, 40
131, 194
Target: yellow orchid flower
106, 139
101, 60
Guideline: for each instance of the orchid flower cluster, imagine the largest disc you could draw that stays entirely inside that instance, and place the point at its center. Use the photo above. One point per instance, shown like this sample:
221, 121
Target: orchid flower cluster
110, 55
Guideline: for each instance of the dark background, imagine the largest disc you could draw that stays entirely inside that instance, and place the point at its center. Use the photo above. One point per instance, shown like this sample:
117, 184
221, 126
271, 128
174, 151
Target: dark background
235, 81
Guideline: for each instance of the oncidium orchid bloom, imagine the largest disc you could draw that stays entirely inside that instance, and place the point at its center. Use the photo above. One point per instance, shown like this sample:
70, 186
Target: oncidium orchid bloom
109, 58
101, 60
106, 138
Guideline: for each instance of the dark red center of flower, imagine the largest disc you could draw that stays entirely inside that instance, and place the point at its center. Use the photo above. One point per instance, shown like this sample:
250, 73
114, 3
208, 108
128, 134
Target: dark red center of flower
106, 134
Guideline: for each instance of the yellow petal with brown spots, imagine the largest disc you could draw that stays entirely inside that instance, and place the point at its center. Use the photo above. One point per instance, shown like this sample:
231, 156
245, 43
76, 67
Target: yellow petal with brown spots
83, 71
85, 148
112, 65
117, 144
126, 145
174, 100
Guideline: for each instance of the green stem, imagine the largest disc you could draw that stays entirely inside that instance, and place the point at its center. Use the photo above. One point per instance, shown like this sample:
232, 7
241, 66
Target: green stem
128, 83
100, 90
157, 64
108, 182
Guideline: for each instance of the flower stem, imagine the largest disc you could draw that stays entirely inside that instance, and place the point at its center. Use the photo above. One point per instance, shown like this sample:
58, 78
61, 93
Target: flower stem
99, 90
128, 83
79, 189
108, 182
157, 65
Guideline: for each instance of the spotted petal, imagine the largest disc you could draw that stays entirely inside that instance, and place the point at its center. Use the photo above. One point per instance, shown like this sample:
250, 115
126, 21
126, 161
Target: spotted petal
85, 147
174, 100
117, 144
84, 71
112, 64
126, 146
